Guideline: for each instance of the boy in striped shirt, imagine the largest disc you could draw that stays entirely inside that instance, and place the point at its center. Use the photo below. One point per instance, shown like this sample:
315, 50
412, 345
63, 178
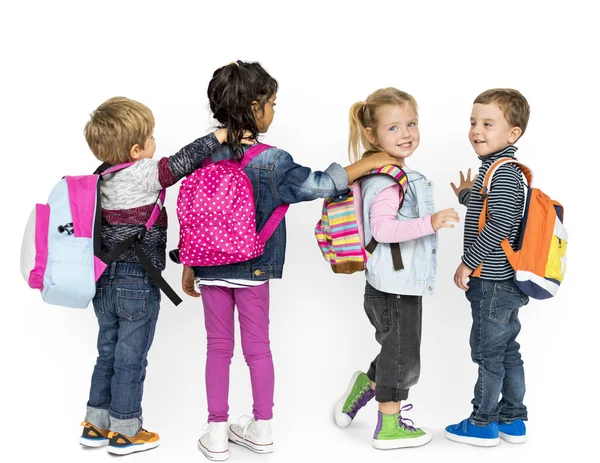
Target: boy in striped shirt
498, 119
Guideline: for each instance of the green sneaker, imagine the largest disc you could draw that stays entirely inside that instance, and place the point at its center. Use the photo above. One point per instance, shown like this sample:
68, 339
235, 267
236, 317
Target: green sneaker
393, 432
357, 395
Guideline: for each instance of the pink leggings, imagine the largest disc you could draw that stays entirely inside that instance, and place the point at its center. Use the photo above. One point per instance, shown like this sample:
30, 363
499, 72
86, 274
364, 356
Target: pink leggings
253, 310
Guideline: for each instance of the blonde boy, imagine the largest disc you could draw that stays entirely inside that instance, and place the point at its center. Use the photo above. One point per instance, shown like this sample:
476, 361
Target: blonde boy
127, 299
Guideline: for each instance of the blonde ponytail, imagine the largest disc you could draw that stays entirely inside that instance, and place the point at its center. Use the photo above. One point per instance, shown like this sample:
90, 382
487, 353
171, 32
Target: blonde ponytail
356, 129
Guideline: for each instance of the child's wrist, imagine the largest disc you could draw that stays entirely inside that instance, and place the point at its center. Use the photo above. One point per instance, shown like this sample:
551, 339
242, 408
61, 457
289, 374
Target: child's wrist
371, 163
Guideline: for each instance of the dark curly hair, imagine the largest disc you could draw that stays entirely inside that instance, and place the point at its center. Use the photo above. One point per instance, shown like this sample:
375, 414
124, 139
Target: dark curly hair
231, 92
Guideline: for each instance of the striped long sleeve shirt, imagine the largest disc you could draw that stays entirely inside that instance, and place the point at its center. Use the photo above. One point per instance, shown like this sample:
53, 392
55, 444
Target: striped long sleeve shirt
128, 197
505, 210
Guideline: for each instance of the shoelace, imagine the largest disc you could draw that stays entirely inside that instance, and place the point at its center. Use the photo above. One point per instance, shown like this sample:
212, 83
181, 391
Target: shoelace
403, 422
365, 395
248, 420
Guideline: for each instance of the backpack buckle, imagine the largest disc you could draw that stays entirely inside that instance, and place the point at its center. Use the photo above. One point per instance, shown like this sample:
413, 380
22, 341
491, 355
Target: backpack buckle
140, 236
483, 192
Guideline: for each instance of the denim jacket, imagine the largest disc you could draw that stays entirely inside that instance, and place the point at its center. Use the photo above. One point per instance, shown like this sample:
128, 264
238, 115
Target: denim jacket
276, 179
417, 278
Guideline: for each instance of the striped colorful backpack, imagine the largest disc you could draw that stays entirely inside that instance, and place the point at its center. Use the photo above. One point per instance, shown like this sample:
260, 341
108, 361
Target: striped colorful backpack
339, 233
60, 253
541, 256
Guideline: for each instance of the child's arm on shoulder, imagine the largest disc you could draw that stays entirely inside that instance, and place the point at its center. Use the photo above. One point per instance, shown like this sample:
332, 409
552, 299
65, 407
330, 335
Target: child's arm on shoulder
463, 190
295, 183
189, 158
374, 161
155, 175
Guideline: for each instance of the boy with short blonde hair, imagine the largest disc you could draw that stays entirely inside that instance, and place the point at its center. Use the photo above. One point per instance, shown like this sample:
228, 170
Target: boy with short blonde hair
127, 299
498, 119
117, 125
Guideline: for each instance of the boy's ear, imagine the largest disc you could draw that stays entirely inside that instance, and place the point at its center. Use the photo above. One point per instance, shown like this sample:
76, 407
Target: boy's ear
369, 135
134, 152
514, 134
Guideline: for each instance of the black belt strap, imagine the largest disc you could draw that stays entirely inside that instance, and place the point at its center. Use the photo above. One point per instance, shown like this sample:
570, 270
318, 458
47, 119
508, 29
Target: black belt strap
396, 254
152, 271
155, 274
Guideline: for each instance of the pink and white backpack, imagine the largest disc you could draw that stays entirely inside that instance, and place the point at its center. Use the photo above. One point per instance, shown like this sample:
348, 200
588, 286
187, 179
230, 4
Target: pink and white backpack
217, 217
60, 253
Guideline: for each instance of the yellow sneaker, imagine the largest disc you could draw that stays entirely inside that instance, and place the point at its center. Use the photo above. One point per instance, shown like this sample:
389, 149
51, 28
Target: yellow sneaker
120, 444
92, 436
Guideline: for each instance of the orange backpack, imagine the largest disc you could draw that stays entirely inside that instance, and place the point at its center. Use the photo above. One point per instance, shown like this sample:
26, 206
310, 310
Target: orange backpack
541, 256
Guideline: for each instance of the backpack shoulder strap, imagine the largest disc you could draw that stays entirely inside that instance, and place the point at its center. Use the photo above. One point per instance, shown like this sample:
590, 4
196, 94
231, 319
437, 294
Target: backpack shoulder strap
279, 213
487, 180
106, 168
133, 240
394, 172
252, 152
401, 179
485, 188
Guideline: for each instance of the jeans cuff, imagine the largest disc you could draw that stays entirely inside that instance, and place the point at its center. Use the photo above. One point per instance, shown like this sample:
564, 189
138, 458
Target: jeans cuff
129, 427
99, 417
390, 394
480, 423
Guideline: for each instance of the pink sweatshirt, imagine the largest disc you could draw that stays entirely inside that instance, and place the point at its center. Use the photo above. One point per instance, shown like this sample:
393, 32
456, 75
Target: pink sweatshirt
385, 228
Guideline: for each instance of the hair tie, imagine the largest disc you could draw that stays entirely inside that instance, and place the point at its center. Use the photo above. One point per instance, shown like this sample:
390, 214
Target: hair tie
236, 63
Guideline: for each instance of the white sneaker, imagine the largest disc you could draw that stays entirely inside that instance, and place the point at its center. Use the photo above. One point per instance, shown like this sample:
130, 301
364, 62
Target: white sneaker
253, 434
213, 443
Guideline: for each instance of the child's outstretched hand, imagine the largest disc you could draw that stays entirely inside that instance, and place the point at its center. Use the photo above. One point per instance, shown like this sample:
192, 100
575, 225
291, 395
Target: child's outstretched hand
464, 183
440, 219
187, 282
461, 276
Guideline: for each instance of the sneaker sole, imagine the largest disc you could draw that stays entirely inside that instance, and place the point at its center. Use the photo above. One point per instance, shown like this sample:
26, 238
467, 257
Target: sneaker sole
403, 443
127, 449
93, 443
477, 441
513, 439
258, 448
215, 456
342, 419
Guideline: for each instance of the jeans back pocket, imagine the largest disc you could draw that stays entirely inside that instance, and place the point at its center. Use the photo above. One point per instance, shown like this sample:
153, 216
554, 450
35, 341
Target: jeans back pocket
132, 304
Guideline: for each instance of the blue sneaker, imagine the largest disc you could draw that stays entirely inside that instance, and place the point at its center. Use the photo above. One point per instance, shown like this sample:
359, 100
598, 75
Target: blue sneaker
467, 433
514, 432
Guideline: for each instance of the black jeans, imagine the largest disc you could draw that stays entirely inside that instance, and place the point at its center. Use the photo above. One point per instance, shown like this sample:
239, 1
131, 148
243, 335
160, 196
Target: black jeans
397, 322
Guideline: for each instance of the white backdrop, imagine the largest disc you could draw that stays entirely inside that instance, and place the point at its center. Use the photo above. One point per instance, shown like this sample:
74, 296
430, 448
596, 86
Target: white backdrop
60, 60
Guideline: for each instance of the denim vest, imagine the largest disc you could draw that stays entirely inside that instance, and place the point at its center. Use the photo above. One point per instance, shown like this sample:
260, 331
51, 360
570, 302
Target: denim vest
276, 179
417, 278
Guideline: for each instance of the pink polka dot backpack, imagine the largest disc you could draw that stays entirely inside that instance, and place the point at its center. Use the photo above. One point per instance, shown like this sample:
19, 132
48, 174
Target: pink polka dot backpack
216, 212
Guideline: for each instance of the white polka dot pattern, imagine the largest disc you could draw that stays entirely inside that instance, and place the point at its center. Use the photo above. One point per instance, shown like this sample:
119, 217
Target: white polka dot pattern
217, 220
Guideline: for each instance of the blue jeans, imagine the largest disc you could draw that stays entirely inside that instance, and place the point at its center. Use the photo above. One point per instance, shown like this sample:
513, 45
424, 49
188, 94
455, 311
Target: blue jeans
127, 304
495, 310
